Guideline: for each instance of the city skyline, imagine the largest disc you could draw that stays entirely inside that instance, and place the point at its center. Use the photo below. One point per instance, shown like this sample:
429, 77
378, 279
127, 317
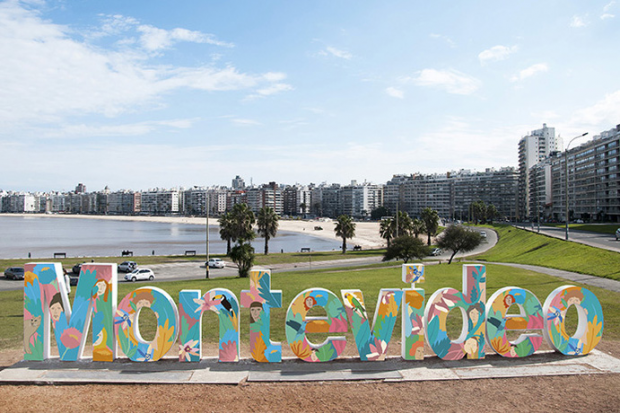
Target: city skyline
138, 95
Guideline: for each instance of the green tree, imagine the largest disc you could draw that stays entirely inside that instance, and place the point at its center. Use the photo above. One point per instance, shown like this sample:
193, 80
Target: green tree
406, 248
417, 227
242, 219
345, 228
492, 212
386, 230
226, 230
405, 224
377, 213
430, 217
267, 222
459, 239
242, 254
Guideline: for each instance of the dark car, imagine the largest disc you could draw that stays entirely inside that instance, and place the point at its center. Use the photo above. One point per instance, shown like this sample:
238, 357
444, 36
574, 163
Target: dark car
14, 273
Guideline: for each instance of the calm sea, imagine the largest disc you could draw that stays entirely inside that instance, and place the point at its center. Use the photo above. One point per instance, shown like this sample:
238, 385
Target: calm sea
42, 236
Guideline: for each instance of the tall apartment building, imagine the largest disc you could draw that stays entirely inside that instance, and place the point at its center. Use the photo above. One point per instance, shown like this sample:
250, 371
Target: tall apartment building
593, 179
493, 187
533, 149
452, 193
238, 184
160, 201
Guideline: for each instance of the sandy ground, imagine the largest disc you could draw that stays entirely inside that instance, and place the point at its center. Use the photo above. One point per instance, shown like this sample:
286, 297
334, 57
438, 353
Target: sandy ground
366, 233
591, 393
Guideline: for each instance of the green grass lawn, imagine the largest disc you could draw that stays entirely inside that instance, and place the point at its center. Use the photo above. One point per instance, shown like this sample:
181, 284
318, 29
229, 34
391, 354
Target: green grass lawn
369, 280
261, 259
524, 247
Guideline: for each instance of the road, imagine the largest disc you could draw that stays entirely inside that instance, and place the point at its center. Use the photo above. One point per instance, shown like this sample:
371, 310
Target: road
594, 239
196, 270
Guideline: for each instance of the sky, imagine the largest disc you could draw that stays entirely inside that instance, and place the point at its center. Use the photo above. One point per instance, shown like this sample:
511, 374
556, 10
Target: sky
144, 94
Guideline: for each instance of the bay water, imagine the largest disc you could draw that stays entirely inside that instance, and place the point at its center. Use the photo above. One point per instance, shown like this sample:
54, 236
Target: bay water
40, 237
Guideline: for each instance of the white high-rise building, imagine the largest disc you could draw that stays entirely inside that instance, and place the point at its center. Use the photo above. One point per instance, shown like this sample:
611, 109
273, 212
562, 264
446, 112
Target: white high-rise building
533, 149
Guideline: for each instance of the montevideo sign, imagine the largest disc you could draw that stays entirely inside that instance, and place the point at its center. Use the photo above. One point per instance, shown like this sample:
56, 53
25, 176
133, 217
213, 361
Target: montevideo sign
116, 324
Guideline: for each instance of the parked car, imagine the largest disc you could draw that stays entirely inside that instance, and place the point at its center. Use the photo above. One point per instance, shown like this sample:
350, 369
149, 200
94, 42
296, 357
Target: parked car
14, 273
436, 251
216, 263
127, 266
617, 234
140, 274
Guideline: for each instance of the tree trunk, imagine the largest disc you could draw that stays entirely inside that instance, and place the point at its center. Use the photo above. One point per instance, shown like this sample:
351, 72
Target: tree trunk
429, 239
228, 247
344, 245
266, 245
452, 256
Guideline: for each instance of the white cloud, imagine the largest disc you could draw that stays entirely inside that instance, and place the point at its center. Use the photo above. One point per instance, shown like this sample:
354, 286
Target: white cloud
578, 22
329, 50
496, 53
530, 71
600, 116
153, 38
54, 76
451, 81
246, 122
608, 6
395, 93
133, 129
448, 40
607, 16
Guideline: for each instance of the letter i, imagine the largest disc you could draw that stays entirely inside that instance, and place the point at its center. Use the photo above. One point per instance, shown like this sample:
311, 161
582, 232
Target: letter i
412, 339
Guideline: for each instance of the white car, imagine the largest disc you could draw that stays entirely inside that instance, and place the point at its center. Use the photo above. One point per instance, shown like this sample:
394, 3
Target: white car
216, 263
483, 234
617, 234
140, 274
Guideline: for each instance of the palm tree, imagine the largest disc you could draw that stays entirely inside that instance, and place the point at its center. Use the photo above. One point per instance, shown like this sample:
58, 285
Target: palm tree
267, 225
386, 230
242, 219
405, 224
226, 230
417, 227
345, 228
430, 217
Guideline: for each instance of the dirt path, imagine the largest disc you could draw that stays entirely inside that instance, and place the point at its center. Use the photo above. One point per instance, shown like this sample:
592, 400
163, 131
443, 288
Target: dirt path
592, 393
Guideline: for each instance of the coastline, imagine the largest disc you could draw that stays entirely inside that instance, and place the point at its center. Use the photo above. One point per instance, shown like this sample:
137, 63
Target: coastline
366, 233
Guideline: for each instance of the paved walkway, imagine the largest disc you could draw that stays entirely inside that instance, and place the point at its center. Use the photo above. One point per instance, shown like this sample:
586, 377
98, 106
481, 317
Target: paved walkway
395, 370
600, 282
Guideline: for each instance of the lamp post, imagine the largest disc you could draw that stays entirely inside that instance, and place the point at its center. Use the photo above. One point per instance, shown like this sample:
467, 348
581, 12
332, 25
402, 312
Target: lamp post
207, 255
566, 165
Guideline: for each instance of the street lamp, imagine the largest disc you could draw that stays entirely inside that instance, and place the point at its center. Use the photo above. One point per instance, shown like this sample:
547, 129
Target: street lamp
207, 255
566, 165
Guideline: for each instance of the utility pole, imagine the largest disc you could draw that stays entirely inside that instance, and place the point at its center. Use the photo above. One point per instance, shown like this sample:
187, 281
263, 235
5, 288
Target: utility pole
207, 209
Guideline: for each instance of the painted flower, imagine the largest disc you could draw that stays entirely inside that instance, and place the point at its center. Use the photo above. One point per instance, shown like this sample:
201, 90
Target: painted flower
71, 337
377, 350
556, 315
208, 302
122, 318
146, 356
187, 350
229, 352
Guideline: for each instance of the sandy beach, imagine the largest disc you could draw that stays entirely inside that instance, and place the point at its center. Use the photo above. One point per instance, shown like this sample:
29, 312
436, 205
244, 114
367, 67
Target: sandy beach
366, 233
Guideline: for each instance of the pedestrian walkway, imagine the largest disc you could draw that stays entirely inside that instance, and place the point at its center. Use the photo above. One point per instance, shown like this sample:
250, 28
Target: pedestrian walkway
393, 370
606, 283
